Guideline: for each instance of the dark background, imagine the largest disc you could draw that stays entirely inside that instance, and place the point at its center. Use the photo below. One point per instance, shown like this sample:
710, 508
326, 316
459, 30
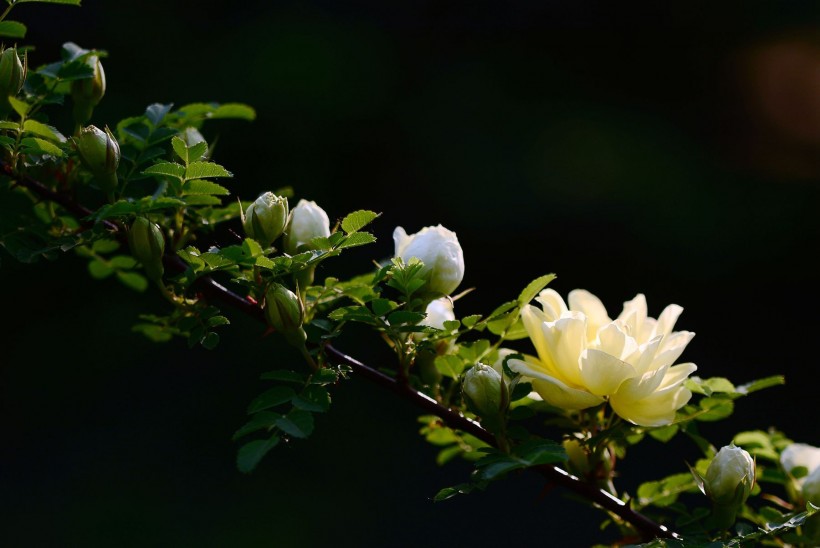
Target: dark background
667, 149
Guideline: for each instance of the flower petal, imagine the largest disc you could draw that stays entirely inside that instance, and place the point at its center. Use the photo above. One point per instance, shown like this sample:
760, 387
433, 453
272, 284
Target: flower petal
634, 314
655, 410
603, 373
566, 339
671, 348
614, 340
552, 303
592, 307
553, 390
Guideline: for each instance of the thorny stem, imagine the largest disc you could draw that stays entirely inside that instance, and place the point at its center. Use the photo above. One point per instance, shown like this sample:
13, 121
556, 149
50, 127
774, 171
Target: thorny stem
211, 289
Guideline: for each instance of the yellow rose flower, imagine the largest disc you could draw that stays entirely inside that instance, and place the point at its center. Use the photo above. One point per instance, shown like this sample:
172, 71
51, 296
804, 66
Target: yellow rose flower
585, 358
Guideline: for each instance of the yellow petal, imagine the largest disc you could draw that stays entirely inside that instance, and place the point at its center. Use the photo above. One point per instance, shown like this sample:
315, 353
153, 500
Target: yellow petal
553, 391
603, 373
554, 306
655, 410
592, 307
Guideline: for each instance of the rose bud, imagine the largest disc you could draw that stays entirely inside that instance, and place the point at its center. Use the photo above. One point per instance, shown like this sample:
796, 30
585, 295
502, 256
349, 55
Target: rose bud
87, 92
100, 152
439, 250
147, 246
266, 218
307, 222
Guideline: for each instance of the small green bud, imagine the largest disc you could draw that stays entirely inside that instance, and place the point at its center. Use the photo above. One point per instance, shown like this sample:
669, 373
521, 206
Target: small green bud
100, 152
147, 246
484, 392
88, 92
12, 73
285, 313
266, 218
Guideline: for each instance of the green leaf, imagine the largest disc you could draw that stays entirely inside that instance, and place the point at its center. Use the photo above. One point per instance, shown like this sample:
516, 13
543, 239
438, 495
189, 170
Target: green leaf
156, 113
261, 420
210, 341
134, 280
20, 107
251, 453
664, 433
203, 187
41, 146
203, 170
470, 321
534, 288
196, 151
271, 398
43, 130
297, 423
169, 169
217, 321
234, 110
358, 220
201, 200
9, 125
357, 239
324, 376
400, 317
449, 366
127, 207
380, 307
99, 269
156, 333
12, 29
105, 246
715, 409
124, 262
313, 398
449, 492
180, 148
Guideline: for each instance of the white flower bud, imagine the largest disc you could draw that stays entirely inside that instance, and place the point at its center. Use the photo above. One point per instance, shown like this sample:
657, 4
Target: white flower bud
439, 250
266, 218
308, 221
730, 476
438, 312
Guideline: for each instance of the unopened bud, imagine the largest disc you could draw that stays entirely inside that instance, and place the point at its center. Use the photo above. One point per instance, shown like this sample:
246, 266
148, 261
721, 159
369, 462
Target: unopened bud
484, 392
308, 221
266, 218
285, 313
12, 73
147, 246
100, 152
87, 92
730, 476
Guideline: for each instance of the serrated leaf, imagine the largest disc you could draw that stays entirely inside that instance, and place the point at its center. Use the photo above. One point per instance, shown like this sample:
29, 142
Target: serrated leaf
169, 169
180, 148
297, 423
449, 366
41, 146
357, 220
271, 398
195, 152
313, 398
357, 239
43, 130
534, 288
251, 453
405, 317
12, 29
449, 492
203, 187
470, 321
216, 321
202, 200
204, 170
134, 280
145, 205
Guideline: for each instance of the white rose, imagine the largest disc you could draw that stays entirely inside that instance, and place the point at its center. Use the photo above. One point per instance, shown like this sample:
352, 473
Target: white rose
439, 250
308, 221
731, 469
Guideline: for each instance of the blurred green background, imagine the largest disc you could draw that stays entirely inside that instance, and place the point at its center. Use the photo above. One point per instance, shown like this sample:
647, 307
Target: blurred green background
670, 149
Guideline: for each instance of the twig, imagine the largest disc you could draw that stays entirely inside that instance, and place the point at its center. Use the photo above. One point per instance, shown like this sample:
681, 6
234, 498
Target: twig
211, 289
